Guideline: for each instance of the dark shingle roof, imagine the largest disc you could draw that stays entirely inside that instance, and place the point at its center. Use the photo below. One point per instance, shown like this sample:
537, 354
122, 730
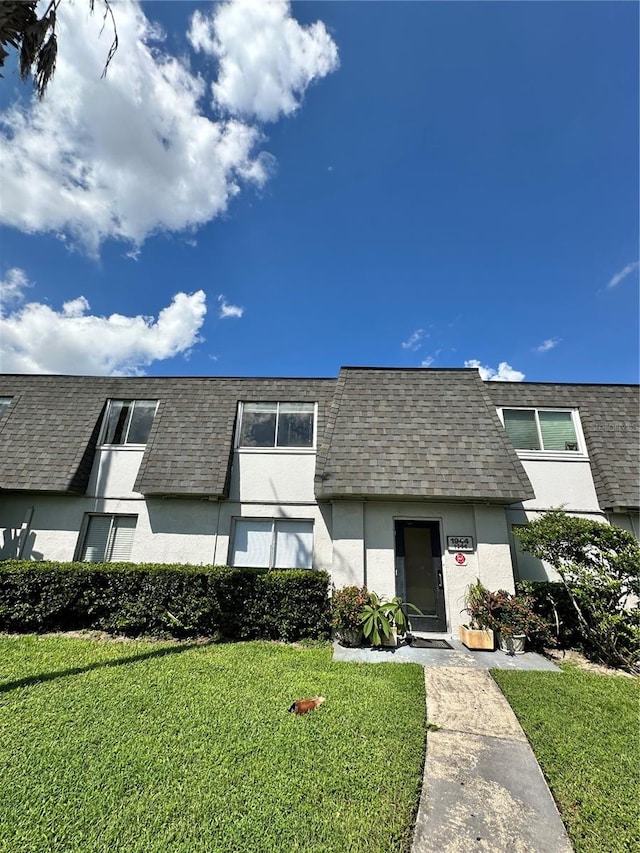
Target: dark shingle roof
417, 434
381, 433
49, 433
610, 420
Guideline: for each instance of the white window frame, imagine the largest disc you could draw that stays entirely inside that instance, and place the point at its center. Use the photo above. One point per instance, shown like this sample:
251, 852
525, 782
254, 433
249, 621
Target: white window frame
105, 422
275, 449
272, 546
552, 455
108, 551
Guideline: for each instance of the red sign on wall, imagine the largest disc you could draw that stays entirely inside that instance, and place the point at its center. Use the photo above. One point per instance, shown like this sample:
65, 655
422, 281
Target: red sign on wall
460, 559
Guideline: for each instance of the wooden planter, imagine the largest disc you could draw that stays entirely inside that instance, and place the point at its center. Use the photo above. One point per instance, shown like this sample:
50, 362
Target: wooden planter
477, 638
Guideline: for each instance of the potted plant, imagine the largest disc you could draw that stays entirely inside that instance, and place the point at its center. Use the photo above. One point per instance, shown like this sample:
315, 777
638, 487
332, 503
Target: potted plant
517, 623
481, 605
347, 605
382, 620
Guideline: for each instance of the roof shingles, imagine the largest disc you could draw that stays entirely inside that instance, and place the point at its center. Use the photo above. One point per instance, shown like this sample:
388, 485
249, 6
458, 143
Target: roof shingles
417, 434
395, 433
610, 418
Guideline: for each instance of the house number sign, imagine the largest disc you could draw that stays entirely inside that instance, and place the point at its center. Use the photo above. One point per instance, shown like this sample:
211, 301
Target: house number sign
460, 543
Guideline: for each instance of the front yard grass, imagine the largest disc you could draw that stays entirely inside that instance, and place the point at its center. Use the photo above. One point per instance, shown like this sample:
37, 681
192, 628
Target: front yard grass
179, 748
583, 729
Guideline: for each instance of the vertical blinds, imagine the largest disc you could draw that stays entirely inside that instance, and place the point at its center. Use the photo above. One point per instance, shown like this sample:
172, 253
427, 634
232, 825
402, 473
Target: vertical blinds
556, 429
294, 545
252, 543
109, 538
280, 544
520, 425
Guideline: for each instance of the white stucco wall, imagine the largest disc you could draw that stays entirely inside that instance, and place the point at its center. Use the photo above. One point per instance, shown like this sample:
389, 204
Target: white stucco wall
114, 472
561, 483
348, 565
171, 531
277, 475
629, 521
491, 560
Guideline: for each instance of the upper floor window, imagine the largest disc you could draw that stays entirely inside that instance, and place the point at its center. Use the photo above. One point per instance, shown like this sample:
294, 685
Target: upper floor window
276, 425
128, 421
541, 429
4, 404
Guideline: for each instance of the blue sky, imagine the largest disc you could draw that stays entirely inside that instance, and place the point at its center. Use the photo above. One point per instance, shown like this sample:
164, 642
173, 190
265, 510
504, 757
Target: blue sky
274, 189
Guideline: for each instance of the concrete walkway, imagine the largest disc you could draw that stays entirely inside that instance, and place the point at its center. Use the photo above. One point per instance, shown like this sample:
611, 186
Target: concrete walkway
483, 790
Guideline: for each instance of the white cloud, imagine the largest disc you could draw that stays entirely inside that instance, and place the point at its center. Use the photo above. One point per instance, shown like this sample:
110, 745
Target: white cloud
504, 373
132, 154
414, 341
550, 343
12, 287
37, 339
266, 58
228, 310
427, 362
619, 276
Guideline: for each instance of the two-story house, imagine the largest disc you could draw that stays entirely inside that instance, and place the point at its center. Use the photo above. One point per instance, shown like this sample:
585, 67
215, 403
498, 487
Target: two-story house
407, 480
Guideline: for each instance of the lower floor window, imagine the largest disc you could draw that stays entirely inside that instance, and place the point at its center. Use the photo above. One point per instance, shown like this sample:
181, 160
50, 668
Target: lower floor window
272, 543
108, 538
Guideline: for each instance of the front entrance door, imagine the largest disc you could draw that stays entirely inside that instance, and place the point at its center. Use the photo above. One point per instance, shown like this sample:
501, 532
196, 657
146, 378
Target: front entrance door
419, 573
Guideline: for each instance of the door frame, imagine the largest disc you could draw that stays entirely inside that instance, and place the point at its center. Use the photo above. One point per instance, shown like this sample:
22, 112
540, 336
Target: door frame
438, 622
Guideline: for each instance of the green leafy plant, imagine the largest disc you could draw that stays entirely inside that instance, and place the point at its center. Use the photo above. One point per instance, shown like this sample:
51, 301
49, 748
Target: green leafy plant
507, 614
482, 606
347, 605
379, 616
599, 566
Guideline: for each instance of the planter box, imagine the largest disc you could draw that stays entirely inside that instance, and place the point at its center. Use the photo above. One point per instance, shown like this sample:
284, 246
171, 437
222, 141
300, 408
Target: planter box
477, 638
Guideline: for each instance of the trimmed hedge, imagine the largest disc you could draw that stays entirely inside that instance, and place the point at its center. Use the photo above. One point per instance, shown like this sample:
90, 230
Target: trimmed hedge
164, 600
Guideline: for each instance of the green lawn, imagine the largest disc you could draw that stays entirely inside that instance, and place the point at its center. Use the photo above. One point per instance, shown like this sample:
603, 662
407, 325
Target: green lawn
584, 730
180, 748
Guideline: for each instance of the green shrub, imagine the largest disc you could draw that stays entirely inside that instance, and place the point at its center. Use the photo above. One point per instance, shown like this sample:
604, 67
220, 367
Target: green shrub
551, 601
164, 600
347, 604
599, 565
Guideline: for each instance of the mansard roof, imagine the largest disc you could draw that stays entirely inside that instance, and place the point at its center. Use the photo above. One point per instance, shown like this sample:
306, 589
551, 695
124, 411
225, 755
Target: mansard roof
419, 434
49, 433
610, 418
382, 432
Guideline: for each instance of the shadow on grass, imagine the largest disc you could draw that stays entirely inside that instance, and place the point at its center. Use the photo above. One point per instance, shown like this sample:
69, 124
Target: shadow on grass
79, 670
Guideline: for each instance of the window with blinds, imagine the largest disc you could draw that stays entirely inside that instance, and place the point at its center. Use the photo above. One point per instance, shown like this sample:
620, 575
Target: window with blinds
108, 539
541, 429
272, 544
